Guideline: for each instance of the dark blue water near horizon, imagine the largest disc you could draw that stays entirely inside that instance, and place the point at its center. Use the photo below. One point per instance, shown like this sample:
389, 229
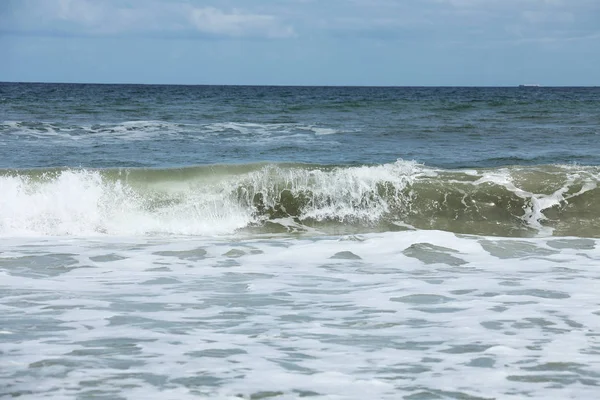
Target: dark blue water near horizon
162, 126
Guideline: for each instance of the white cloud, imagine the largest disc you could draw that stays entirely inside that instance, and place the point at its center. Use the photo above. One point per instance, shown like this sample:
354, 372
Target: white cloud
523, 20
237, 24
81, 11
411, 20
541, 16
112, 17
97, 17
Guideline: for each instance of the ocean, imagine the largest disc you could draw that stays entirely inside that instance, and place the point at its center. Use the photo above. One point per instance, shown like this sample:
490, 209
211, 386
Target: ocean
228, 242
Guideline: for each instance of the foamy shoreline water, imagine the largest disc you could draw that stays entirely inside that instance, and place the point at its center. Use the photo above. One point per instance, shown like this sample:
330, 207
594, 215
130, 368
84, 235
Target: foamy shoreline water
408, 314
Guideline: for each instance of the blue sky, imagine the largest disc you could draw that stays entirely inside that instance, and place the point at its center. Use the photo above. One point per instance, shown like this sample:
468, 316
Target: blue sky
302, 42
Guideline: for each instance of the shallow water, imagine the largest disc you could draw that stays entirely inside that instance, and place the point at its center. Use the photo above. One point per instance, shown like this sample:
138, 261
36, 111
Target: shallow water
414, 315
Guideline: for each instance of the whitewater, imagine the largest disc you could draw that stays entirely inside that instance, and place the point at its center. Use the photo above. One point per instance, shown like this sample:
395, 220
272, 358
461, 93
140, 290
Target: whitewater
285, 243
221, 199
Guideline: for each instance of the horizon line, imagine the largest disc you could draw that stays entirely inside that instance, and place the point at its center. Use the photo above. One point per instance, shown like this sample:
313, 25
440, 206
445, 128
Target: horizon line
518, 85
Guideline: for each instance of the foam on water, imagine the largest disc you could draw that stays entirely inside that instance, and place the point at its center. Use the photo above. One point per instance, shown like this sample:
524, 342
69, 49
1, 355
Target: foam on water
277, 270
84, 203
538, 202
141, 130
76, 202
222, 199
421, 314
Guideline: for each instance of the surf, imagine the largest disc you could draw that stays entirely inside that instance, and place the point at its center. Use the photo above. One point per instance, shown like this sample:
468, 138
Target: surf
259, 198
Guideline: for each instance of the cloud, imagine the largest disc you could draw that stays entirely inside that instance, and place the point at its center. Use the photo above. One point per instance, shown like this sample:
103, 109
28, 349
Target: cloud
139, 17
81, 11
521, 21
427, 21
238, 24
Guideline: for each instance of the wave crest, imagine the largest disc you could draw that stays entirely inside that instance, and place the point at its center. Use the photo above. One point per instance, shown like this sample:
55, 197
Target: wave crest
208, 200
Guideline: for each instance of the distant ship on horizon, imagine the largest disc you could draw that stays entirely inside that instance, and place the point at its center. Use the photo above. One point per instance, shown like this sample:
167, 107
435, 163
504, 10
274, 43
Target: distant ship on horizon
530, 85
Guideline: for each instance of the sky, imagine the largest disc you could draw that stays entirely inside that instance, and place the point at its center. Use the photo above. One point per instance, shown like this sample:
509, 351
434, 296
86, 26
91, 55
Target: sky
302, 42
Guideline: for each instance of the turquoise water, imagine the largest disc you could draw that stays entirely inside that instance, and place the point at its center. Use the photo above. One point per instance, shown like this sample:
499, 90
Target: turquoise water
180, 242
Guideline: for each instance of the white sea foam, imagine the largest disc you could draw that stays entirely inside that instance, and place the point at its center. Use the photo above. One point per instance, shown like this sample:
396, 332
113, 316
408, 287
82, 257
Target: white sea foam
151, 129
85, 202
124, 131
273, 130
539, 202
76, 202
135, 130
341, 193
422, 313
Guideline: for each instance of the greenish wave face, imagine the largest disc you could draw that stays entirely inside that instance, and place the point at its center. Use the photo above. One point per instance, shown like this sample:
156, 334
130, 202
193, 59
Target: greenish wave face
305, 198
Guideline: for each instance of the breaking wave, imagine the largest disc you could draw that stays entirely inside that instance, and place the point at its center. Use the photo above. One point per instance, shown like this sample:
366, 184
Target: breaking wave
279, 198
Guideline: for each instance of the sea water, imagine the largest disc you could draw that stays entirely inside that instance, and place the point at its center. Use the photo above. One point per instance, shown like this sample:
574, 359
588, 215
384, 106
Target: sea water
180, 242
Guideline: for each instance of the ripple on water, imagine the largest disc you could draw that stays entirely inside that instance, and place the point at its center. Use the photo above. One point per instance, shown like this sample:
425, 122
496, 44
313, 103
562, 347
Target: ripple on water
183, 319
506, 249
422, 299
345, 255
431, 254
544, 294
